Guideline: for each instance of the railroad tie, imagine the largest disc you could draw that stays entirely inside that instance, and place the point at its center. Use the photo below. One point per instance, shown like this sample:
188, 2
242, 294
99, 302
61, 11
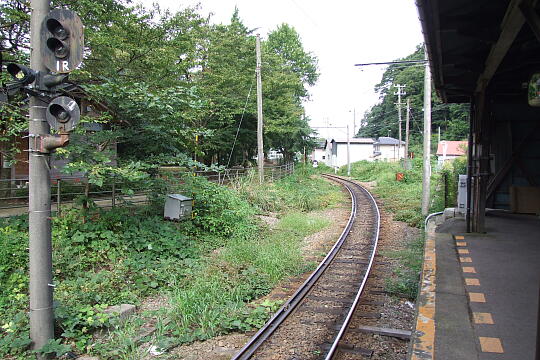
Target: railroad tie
397, 333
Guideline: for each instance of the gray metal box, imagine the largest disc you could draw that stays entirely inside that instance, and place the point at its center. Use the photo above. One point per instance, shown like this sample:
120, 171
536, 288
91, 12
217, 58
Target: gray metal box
462, 194
177, 207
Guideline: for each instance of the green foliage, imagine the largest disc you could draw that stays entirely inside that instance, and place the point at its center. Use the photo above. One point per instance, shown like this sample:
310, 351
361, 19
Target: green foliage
13, 264
382, 118
217, 209
302, 190
253, 317
245, 269
407, 273
447, 182
14, 335
403, 198
125, 254
170, 87
80, 322
54, 347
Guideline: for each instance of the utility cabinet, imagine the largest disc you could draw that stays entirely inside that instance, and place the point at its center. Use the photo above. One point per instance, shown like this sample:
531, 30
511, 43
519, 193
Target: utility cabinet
178, 207
462, 194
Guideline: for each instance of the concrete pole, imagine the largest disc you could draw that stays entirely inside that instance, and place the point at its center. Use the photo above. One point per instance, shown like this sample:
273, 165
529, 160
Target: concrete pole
399, 93
407, 120
427, 140
348, 153
260, 151
354, 122
39, 204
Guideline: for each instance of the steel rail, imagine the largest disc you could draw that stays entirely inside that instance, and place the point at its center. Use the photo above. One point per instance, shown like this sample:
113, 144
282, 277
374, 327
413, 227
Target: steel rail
347, 320
269, 328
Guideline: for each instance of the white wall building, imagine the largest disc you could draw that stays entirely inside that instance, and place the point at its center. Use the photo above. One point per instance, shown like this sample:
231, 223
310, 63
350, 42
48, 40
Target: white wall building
319, 153
387, 148
336, 151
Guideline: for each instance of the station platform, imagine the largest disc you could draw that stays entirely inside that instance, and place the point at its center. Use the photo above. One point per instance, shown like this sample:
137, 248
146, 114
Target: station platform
479, 292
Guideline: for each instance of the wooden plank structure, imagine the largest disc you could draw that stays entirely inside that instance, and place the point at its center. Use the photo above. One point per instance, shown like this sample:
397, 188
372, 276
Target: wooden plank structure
484, 53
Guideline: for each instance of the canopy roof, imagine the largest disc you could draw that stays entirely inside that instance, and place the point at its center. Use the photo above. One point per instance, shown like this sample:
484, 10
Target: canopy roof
480, 44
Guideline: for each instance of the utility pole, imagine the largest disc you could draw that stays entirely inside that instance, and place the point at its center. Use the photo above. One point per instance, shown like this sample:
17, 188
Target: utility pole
427, 139
407, 119
260, 157
39, 202
399, 93
354, 122
348, 153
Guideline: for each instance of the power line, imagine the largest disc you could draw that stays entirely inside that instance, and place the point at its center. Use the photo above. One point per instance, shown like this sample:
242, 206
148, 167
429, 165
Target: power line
239, 124
412, 62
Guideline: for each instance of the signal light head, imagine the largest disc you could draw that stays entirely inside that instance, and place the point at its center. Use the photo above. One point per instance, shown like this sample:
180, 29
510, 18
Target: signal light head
56, 28
60, 113
63, 114
21, 73
59, 49
62, 37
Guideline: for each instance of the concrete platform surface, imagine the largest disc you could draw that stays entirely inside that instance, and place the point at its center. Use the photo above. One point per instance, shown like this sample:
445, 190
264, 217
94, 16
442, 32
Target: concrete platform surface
485, 290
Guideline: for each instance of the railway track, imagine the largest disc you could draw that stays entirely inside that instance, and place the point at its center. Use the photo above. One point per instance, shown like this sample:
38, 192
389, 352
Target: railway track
313, 322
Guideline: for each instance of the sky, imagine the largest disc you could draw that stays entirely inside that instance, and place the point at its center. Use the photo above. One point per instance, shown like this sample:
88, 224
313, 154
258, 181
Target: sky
340, 33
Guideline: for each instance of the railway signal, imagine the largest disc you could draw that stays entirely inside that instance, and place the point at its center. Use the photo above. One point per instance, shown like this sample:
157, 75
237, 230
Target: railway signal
22, 75
63, 114
62, 34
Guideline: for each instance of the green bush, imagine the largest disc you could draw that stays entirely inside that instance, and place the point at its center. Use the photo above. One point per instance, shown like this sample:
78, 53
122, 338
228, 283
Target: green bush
213, 264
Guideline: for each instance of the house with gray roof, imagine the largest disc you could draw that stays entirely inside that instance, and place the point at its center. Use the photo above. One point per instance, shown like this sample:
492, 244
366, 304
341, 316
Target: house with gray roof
388, 149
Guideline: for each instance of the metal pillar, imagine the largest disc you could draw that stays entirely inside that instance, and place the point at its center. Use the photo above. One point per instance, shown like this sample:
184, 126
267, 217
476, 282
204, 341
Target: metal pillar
39, 205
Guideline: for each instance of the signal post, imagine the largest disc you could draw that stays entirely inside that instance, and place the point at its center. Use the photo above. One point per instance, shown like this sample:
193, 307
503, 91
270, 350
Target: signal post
56, 40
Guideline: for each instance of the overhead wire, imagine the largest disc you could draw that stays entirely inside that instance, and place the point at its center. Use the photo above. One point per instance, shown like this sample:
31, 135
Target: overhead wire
239, 124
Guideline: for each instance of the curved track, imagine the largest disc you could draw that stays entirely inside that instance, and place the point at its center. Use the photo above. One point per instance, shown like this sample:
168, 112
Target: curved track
312, 322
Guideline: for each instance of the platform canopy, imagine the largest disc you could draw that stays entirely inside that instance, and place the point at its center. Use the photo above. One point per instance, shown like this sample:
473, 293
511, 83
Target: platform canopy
485, 52
473, 44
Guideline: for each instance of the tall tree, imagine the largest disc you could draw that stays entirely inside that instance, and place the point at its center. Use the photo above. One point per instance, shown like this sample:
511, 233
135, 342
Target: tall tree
382, 118
289, 71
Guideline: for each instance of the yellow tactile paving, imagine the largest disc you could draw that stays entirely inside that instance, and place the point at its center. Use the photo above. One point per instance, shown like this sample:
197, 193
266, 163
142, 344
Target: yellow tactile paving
472, 282
469, 269
465, 259
492, 345
477, 297
461, 243
459, 237
463, 251
482, 318
424, 341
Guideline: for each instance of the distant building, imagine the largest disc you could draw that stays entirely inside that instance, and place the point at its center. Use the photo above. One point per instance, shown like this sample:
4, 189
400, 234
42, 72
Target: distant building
449, 150
388, 149
319, 152
273, 155
336, 151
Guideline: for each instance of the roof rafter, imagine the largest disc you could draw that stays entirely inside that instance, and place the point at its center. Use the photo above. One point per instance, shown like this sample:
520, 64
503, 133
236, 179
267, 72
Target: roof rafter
511, 25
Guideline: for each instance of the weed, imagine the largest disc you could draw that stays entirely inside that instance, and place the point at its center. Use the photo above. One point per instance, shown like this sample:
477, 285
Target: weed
407, 273
214, 266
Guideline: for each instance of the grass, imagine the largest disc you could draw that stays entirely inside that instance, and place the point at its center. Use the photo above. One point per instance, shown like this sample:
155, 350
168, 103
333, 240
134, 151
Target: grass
403, 200
407, 273
212, 268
